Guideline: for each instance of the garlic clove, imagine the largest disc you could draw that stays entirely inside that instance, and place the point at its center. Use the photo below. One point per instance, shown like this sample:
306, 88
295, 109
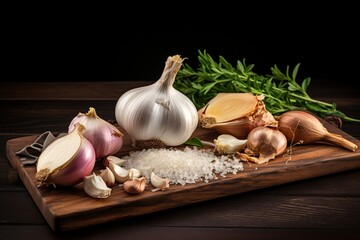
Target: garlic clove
228, 144
135, 186
121, 174
158, 182
96, 187
134, 173
108, 176
114, 159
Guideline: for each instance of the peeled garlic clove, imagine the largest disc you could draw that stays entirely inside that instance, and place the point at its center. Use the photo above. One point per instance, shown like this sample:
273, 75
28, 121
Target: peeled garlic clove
159, 182
67, 160
135, 186
108, 176
158, 114
121, 174
228, 144
134, 173
104, 136
235, 114
95, 186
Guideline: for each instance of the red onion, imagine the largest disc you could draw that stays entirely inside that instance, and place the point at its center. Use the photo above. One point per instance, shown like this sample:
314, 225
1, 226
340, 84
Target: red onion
67, 160
104, 136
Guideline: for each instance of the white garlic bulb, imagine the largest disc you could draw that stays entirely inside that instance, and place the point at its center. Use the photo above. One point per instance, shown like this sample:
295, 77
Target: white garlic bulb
158, 111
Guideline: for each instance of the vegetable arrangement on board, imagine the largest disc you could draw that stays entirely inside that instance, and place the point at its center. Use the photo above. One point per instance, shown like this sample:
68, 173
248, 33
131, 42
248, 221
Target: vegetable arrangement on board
257, 118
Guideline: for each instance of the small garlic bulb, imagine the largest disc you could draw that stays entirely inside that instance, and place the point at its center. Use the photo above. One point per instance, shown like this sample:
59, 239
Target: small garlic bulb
158, 112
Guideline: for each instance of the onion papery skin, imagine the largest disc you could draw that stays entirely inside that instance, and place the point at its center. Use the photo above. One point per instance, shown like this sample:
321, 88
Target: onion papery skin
105, 137
74, 168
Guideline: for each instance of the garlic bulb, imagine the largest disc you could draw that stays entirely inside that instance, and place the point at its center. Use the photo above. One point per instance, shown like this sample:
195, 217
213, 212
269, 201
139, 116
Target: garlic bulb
105, 137
158, 113
235, 114
67, 160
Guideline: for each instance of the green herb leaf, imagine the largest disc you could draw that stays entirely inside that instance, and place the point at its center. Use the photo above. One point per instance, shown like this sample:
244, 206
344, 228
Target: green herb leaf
194, 142
282, 92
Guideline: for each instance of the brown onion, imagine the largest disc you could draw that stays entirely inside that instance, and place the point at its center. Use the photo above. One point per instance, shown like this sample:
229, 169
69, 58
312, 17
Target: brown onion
303, 127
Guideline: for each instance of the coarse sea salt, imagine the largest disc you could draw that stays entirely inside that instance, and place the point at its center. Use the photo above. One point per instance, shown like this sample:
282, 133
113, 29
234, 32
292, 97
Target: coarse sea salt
189, 165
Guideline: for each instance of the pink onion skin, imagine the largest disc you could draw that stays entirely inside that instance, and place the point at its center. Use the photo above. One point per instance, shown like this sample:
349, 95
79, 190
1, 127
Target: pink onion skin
81, 166
105, 137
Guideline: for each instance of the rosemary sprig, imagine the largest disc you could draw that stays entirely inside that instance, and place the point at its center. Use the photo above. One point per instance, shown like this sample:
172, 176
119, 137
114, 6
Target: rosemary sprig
281, 90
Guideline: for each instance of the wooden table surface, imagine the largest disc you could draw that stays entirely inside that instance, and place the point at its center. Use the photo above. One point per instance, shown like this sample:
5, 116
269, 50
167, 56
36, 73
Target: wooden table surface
326, 207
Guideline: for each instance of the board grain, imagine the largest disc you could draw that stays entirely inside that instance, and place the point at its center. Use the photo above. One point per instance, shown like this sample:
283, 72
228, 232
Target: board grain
71, 208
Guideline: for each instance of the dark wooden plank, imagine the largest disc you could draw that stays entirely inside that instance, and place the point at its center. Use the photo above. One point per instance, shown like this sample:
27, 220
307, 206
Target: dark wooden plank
251, 209
71, 208
141, 232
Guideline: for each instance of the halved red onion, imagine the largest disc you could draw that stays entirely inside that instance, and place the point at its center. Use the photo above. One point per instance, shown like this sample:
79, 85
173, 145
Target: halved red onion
67, 160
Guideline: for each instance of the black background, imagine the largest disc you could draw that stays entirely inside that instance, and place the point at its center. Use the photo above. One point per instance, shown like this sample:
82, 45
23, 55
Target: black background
116, 43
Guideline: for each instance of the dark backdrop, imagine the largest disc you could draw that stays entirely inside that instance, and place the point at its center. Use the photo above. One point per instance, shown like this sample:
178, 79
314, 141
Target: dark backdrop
84, 45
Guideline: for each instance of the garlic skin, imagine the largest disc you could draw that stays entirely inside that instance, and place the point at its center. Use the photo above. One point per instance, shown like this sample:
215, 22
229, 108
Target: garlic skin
96, 187
265, 143
105, 137
228, 144
158, 111
135, 186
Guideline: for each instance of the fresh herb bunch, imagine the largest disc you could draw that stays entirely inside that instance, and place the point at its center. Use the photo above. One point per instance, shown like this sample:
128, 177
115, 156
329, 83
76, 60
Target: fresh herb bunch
281, 90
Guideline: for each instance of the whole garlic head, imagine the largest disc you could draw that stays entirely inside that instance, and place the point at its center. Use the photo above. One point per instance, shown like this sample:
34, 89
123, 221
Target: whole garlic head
158, 111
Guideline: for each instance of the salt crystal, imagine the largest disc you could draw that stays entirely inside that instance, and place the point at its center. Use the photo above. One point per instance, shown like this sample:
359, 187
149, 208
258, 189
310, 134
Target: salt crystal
190, 165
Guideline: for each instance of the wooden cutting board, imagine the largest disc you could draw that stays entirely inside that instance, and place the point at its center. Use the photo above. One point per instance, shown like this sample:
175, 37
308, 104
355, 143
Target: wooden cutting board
71, 208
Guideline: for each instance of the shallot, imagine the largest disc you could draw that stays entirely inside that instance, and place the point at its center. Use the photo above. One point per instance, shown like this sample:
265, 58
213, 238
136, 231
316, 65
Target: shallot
303, 127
